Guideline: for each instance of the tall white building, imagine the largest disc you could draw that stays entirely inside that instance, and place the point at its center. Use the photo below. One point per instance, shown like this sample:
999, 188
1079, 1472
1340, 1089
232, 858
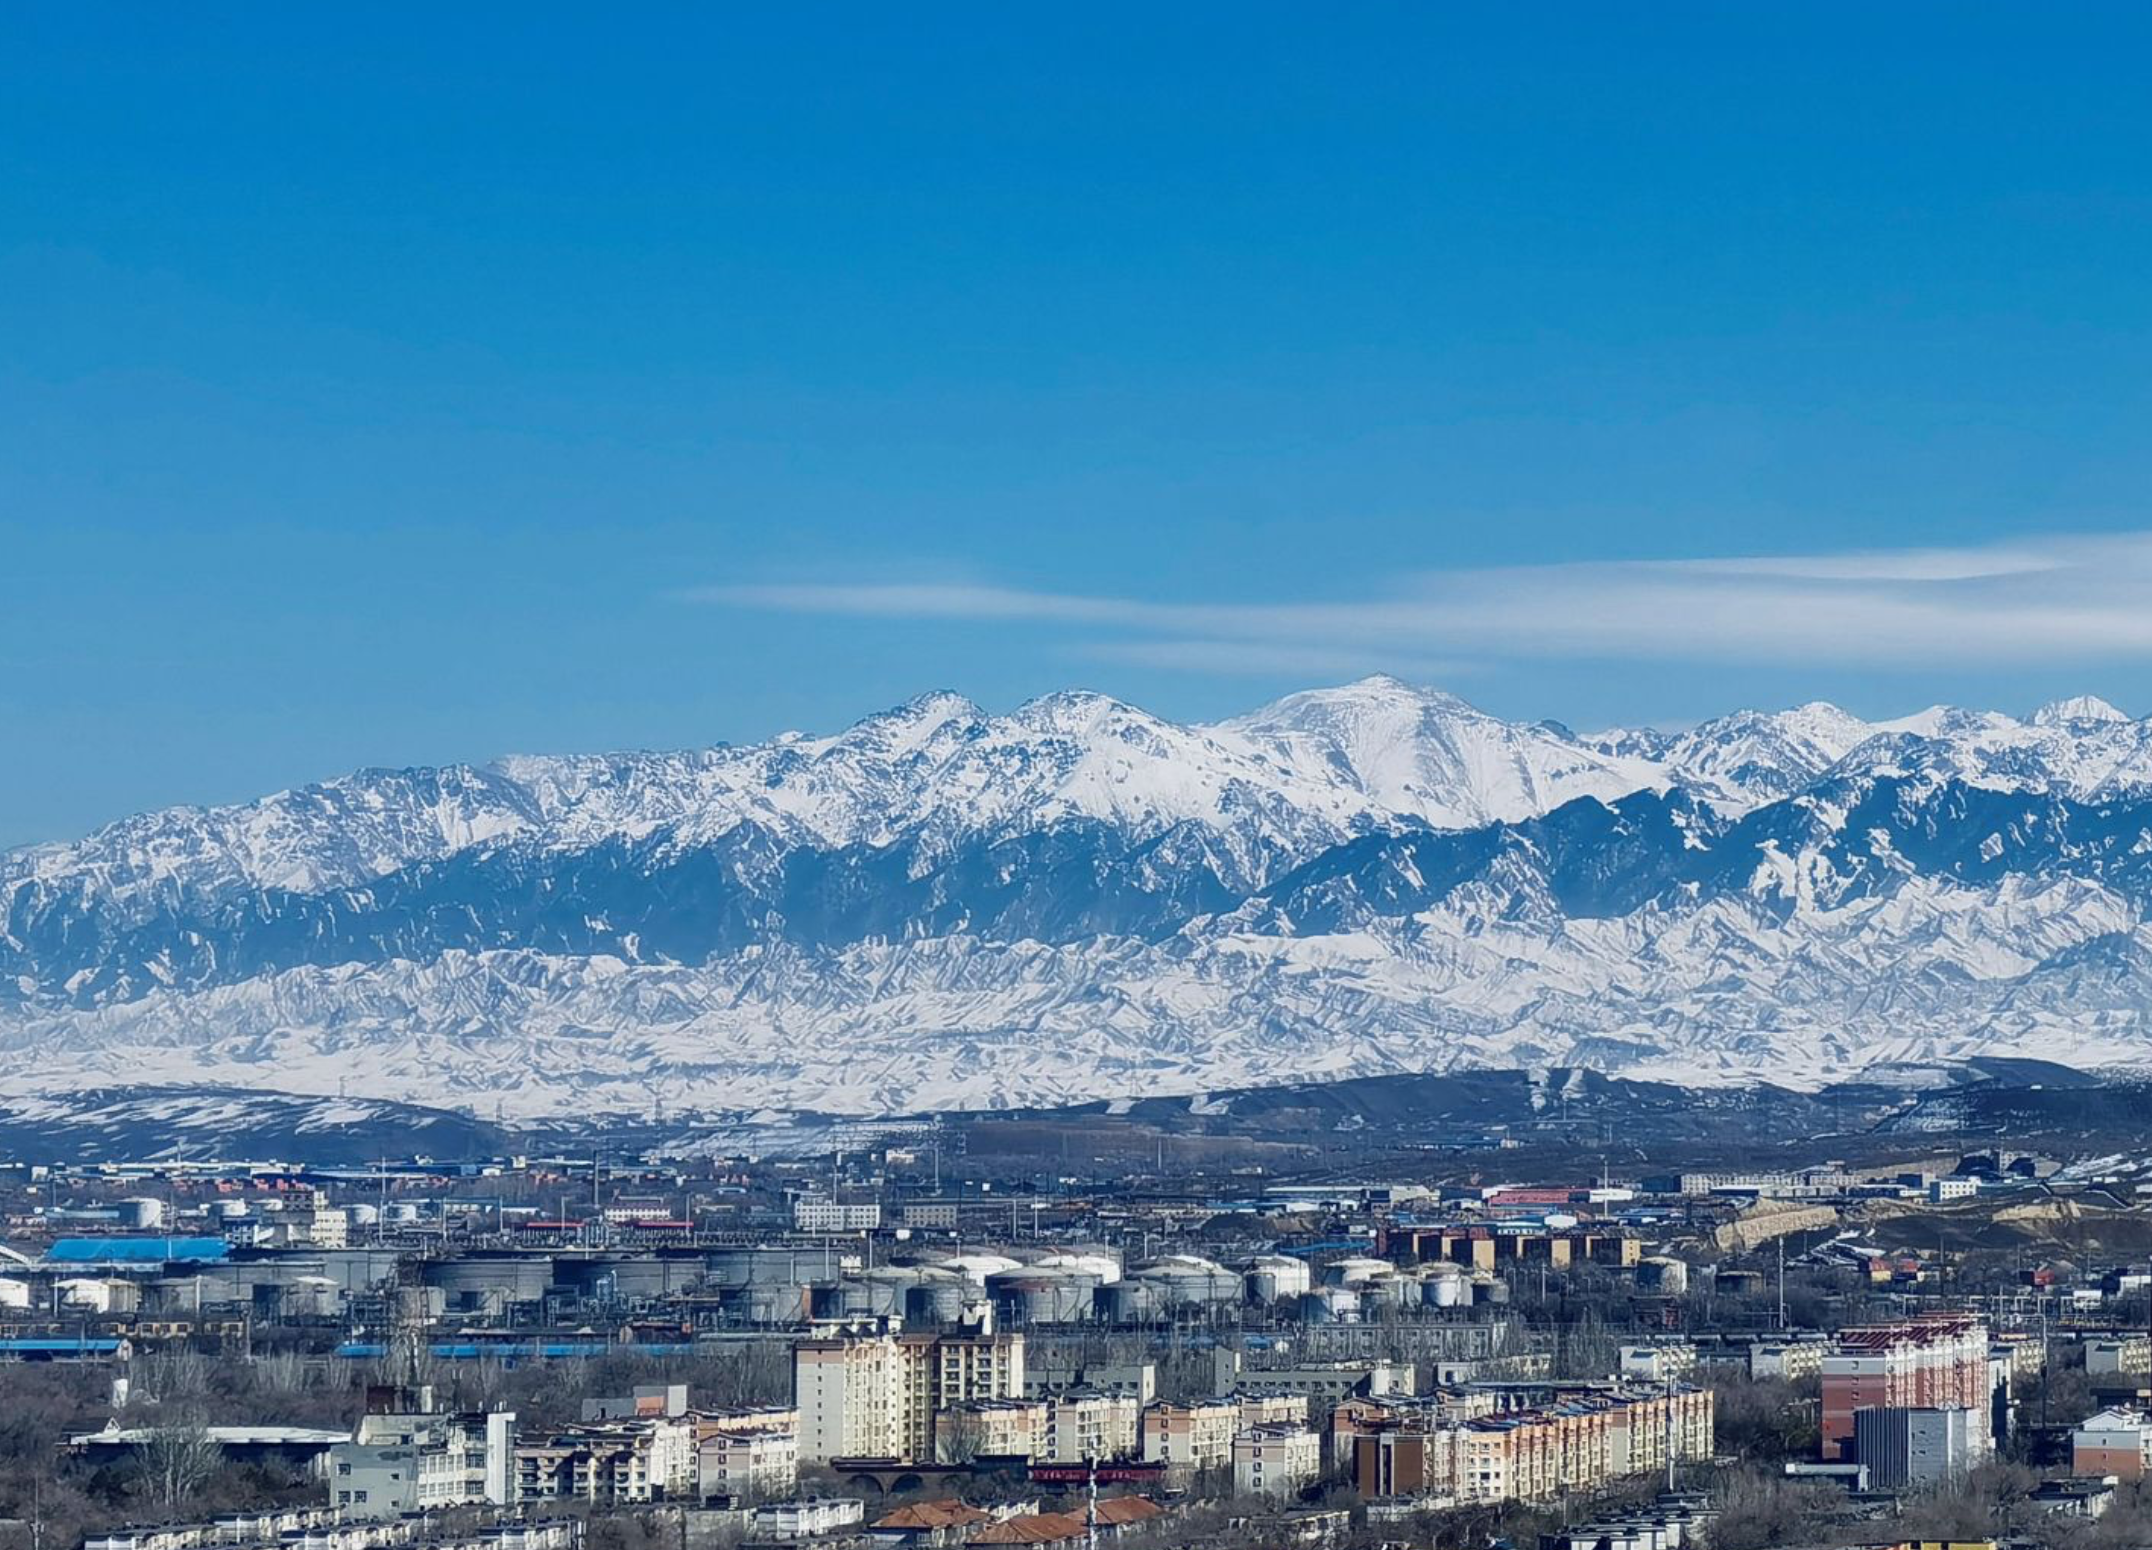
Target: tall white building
877, 1396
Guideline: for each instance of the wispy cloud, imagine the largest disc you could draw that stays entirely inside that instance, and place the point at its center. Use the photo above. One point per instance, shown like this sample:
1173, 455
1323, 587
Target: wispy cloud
1264, 659
2062, 598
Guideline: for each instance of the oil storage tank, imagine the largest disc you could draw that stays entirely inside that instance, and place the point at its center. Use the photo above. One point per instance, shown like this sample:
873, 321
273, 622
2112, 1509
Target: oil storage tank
1030, 1295
1274, 1277
1189, 1280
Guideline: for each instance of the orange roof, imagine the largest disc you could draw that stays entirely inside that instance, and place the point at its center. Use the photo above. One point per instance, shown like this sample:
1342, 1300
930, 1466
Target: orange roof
1045, 1528
949, 1513
1117, 1510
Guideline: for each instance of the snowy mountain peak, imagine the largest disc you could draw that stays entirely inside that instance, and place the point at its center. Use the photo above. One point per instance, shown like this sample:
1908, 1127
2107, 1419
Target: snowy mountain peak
2080, 708
940, 905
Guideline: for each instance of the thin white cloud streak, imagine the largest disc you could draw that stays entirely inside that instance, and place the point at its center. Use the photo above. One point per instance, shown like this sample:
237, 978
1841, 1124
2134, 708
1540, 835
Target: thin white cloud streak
1259, 659
2048, 599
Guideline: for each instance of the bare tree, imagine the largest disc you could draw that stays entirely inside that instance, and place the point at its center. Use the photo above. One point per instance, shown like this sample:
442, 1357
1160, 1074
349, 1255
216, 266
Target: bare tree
176, 1461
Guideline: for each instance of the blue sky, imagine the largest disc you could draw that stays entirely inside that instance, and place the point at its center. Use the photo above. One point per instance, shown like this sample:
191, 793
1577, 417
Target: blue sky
412, 386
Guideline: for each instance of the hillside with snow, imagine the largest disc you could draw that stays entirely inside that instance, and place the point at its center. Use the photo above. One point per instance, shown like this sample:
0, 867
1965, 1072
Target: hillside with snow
940, 907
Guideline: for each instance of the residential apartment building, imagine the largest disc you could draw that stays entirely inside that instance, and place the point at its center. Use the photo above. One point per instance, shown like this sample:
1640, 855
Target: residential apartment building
1408, 1462
1266, 1407
1934, 1361
1539, 1441
807, 1519
1084, 1424
633, 1461
1198, 1435
2109, 1358
2115, 1442
1319, 1385
1276, 1461
405, 1456
1913, 1449
877, 1396
819, 1213
991, 1428
1658, 1361
748, 1467
1793, 1360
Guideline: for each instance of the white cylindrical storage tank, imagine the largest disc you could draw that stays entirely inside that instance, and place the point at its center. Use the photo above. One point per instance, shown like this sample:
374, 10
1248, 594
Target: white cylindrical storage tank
979, 1266
1274, 1277
1354, 1270
14, 1294
1027, 1295
1444, 1286
312, 1297
82, 1292
1339, 1304
1135, 1300
363, 1214
1103, 1268
1189, 1278
936, 1296
1660, 1274
1392, 1290
1489, 1289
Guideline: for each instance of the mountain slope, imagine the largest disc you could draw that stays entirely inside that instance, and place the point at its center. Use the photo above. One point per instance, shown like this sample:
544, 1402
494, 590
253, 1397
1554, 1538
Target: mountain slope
944, 907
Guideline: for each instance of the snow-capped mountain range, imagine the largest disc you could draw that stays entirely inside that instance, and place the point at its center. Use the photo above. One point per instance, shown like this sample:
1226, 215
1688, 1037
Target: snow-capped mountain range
941, 907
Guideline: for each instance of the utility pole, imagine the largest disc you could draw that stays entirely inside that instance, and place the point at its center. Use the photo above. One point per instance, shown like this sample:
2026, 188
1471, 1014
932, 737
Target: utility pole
1670, 1427
1090, 1516
1782, 1284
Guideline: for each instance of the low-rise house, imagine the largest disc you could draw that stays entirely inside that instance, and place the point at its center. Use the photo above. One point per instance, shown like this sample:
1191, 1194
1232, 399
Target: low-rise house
929, 1524
2077, 1497
808, 1519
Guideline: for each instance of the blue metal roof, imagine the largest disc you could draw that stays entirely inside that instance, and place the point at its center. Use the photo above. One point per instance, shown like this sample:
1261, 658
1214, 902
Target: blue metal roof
60, 1344
134, 1251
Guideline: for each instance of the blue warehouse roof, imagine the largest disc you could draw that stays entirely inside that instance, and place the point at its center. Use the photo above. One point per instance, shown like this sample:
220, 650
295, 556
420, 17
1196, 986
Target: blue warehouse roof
133, 1251
61, 1345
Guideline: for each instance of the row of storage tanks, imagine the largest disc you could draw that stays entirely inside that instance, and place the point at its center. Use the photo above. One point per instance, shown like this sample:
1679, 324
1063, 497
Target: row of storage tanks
1060, 1287
1086, 1285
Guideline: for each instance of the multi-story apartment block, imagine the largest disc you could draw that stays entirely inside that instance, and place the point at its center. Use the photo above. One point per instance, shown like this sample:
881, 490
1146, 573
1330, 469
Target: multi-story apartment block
635, 1461
1408, 1462
748, 1467
1271, 1407
1913, 1449
991, 1428
1276, 1461
1198, 1435
1793, 1360
1659, 1360
2109, 1358
745, 1418
1934, 1361
1087, 1424
405, 1456
819, 1213
877, 1396
2115, 1442
1545, 1440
